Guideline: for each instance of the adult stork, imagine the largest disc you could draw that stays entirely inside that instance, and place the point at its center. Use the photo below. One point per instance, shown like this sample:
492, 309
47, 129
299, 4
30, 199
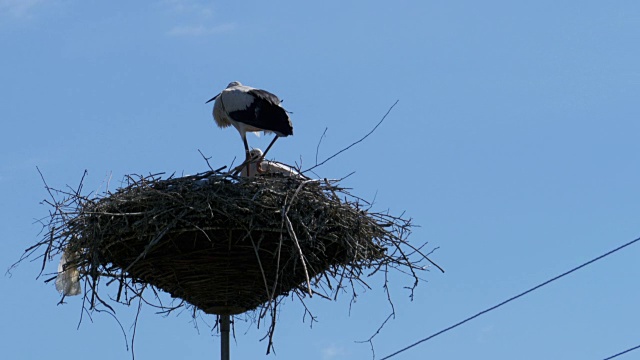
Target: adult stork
251, 110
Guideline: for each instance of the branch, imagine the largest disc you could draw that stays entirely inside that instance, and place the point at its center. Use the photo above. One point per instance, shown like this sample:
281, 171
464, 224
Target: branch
355, 143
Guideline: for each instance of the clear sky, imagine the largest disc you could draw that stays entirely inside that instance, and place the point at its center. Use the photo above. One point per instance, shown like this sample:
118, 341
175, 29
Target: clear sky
514, 145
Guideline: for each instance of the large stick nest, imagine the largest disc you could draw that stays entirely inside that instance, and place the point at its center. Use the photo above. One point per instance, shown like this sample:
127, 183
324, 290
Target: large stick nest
223, 244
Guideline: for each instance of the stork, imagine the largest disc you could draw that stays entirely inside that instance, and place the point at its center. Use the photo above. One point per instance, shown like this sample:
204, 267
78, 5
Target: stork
258, 166
251, 110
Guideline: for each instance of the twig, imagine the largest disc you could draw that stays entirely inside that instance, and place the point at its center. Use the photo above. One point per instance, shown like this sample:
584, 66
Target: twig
355, 143
319, 142
370, 340
206, 159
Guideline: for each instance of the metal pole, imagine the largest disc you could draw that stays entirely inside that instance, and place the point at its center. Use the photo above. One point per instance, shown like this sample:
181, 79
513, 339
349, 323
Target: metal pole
225, 320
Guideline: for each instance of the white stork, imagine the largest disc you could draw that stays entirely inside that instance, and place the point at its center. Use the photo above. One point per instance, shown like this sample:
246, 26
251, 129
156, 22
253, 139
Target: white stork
251, 110
257, 165
68, 279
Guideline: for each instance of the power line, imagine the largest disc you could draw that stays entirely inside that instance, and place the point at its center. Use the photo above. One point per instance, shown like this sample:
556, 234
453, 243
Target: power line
516, 297
622, 353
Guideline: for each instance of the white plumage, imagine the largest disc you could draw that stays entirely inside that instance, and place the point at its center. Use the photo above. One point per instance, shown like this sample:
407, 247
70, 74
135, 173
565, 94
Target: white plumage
68, 279
257, 165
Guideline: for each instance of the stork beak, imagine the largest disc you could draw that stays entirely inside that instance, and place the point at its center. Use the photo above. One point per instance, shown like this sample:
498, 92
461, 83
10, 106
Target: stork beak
213, 98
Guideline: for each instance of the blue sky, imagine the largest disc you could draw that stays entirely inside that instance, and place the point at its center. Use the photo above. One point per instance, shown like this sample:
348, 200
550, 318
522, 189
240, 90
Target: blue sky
514, 146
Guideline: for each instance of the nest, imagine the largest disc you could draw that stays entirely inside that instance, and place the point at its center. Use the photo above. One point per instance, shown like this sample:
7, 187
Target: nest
222, 244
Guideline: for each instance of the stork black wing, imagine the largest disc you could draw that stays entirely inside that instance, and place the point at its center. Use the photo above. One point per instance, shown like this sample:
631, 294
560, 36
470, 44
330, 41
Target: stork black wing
265, 95
265, 113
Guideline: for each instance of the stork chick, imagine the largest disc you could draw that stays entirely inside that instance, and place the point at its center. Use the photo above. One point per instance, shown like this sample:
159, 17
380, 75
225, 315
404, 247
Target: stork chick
257, 165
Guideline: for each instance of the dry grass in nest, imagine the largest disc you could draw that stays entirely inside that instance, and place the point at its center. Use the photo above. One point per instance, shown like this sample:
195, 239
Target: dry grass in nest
222, 244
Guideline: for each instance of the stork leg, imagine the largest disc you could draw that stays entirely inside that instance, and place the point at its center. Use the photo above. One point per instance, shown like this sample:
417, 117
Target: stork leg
247, 160
238, 169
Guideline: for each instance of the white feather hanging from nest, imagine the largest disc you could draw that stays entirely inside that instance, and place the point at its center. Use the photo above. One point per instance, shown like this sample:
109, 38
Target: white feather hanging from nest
68, 280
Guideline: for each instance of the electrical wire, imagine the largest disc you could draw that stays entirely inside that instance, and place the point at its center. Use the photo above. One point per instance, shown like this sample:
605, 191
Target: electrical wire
623, 352
516, 297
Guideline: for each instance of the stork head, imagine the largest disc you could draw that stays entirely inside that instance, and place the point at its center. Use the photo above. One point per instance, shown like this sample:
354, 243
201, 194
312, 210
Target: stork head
231, 84
255, 154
